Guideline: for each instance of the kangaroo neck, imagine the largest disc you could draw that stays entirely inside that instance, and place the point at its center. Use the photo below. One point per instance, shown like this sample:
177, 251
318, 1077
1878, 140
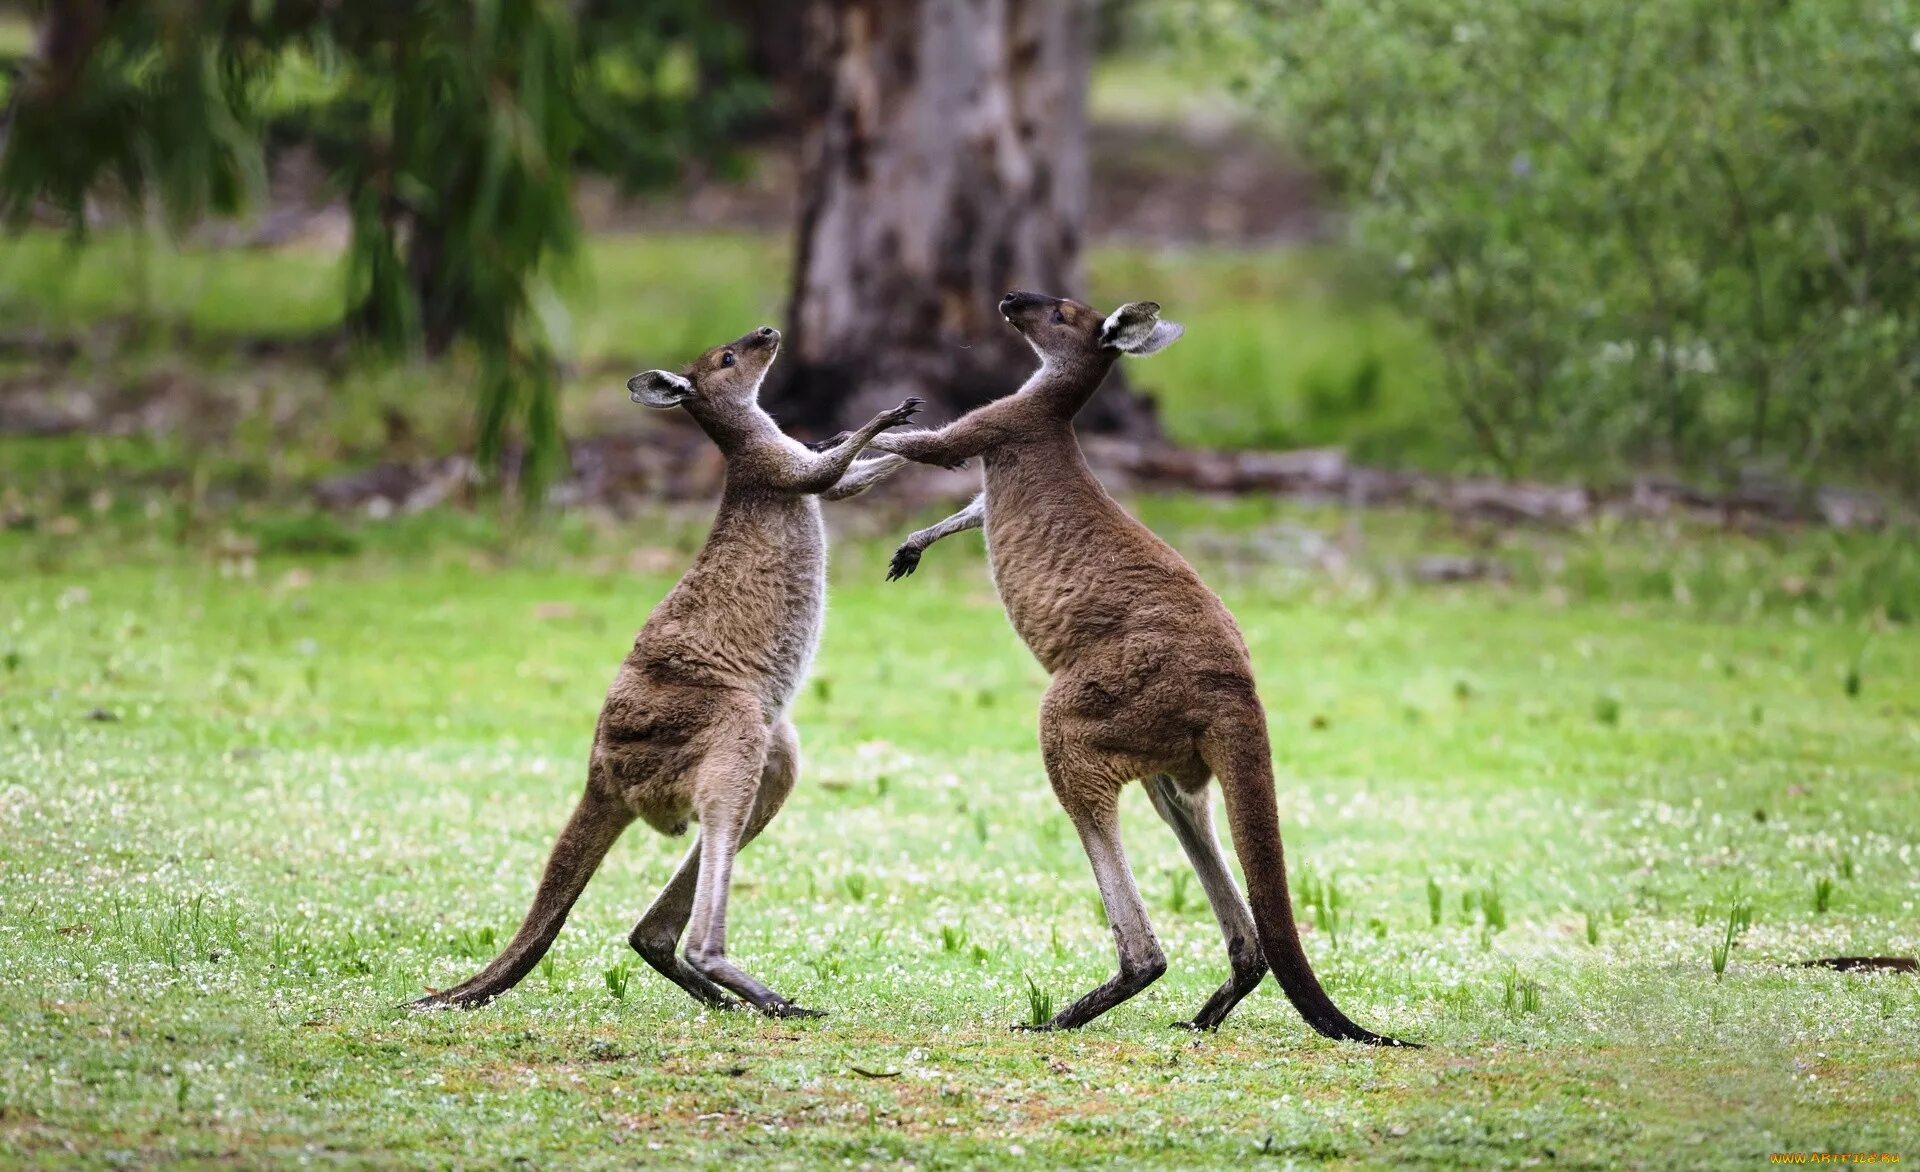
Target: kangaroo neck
1049, 525
1045, 469
1063, 384
790, 520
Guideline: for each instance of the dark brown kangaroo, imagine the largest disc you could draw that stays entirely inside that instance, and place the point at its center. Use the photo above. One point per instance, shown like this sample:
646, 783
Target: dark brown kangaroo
695, 725
1151, 678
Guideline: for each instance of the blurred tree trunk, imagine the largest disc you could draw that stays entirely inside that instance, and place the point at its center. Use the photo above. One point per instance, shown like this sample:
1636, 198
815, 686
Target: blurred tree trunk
944, 162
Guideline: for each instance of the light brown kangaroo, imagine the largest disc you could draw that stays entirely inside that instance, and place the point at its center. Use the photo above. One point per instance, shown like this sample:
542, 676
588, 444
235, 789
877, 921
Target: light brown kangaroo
1151, 678
695, 725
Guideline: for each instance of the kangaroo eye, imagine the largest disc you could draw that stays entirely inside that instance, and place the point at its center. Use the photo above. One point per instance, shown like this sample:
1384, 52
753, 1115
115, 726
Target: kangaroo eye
727, 358
1059, 318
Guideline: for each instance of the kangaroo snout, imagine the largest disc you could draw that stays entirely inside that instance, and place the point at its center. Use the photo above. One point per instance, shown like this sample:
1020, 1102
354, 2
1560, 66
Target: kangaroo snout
1019, 299
764, 336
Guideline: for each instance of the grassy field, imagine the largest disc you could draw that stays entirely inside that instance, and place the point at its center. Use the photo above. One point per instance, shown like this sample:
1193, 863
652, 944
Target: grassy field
249, 802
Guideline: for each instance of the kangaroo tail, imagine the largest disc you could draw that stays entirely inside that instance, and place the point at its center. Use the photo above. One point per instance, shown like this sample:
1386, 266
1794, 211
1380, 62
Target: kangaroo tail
596, 822
1240, 758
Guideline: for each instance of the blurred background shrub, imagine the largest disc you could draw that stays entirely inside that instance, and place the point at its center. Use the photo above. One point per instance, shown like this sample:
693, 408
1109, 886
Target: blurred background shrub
1685, 232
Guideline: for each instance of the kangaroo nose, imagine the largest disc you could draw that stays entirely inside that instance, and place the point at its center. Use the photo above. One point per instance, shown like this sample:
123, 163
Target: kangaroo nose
766, 331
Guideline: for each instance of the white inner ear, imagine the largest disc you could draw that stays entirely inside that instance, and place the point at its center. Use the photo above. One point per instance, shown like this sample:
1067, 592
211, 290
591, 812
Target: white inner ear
1132, 327
658, 388
1162, 335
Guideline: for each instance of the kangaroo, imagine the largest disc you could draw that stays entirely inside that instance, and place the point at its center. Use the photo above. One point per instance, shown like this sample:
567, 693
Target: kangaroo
1151, 678
695, 726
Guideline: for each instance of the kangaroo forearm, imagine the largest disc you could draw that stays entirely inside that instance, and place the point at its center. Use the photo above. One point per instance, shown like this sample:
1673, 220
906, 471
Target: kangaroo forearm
829, 466
971, 517
820, 471
864, 475
947, 447
906, 559
926, 447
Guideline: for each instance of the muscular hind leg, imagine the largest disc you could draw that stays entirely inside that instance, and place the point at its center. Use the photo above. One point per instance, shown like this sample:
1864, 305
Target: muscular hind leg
1190, 814
656, 937
1090, 789
725, 797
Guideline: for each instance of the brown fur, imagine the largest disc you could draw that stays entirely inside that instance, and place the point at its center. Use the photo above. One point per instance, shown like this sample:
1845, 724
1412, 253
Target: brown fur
695, 725
1151, 678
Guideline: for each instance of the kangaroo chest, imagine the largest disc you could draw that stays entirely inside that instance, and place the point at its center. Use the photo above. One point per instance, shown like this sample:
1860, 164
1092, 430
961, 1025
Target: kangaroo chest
1048, 569
749, 613
790, 588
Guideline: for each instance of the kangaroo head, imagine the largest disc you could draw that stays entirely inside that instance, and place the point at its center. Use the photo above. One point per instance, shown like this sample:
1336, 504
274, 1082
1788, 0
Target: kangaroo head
720, 387
1062, 330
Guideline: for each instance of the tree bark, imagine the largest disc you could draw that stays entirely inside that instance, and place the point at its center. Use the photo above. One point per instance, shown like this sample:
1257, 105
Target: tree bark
944, 162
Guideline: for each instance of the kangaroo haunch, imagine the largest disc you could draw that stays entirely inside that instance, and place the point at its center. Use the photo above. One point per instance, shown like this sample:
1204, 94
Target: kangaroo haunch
695, 725
1151, 678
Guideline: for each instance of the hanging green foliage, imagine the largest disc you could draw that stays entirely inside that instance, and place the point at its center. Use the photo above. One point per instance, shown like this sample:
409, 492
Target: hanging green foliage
451, 130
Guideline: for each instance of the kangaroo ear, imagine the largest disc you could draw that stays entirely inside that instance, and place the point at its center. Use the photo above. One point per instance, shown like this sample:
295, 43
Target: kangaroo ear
1136, 328
659, 388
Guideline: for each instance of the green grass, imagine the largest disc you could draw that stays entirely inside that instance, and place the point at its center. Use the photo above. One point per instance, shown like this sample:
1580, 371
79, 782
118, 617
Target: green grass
46, 280
1158, 88
1283, 348
329, 781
